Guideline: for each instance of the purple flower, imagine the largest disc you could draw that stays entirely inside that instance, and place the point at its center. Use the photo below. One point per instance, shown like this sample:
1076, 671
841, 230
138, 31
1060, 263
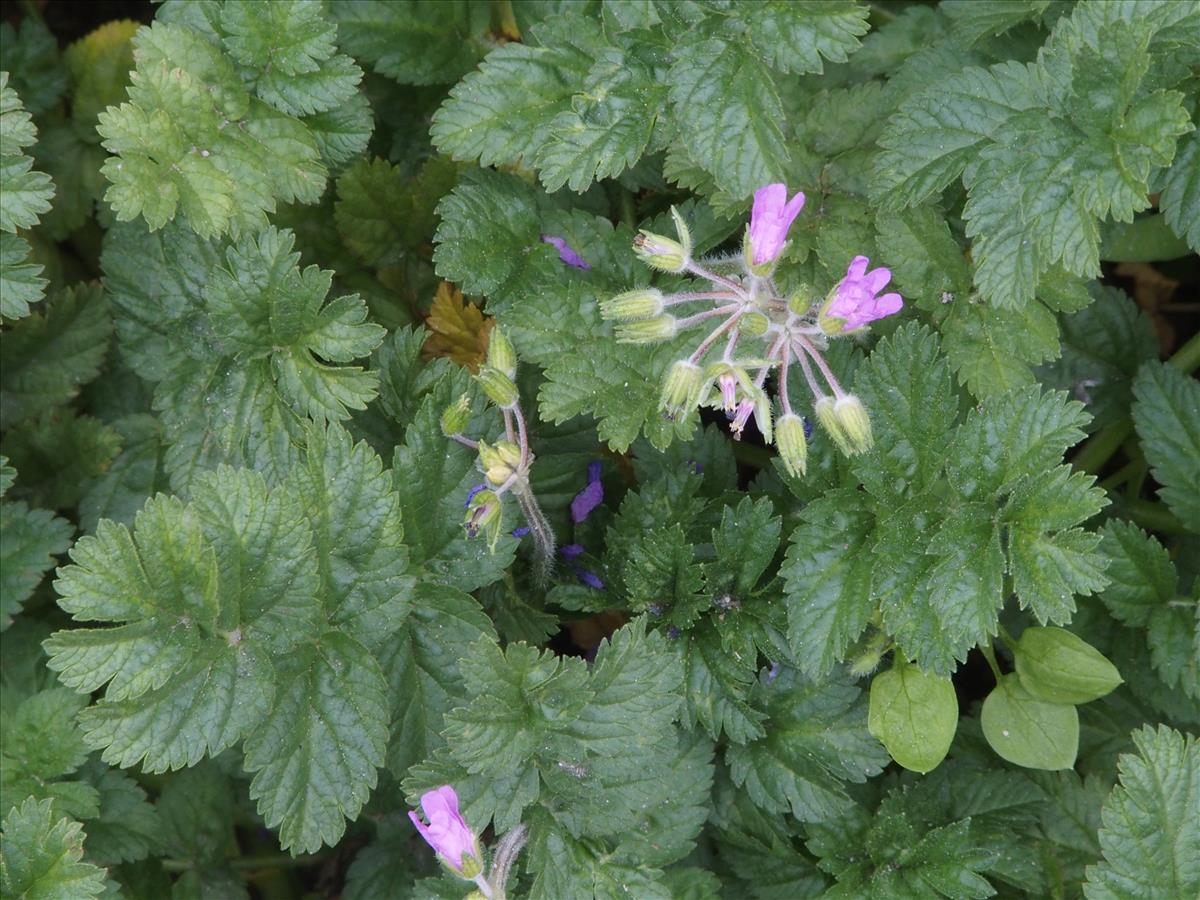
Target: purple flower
729, 385
770, 219
590, 497
591, 579
520, 532
448, 833
744, 411
571, 551
855, 302
565, 251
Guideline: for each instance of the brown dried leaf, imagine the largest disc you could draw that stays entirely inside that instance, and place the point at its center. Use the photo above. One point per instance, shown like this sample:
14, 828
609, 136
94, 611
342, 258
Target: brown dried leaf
458, 330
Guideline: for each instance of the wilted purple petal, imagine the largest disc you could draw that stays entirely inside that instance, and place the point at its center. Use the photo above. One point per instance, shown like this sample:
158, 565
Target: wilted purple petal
471, 494
591, 579
673, 632
808, 427
565, 251
772, 673
521, 531
571, 551
590, 497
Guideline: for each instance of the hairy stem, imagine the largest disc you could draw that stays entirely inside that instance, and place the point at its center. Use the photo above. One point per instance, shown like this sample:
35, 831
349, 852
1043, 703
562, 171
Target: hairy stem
539, 530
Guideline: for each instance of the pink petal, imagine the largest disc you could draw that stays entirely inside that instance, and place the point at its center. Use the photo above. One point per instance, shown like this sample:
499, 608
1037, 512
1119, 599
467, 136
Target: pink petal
888, 304
858, 267
767, 201
794, 206
877, 279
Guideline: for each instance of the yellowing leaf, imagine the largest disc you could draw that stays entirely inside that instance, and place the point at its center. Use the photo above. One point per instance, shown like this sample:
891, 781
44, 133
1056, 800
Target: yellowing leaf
100, 64
459, 330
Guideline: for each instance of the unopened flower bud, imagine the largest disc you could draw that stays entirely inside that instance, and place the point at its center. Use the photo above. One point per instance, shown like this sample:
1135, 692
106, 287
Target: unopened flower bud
792, 444
833, 427
856, 424
448, 833
499, 461
498, 386
762, 415
681, 389
500, 354
647, 331
662, 253
801, 300
631, 305
753, 324
456, 416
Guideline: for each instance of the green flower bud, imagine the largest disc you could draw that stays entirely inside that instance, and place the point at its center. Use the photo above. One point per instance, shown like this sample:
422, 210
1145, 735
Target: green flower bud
498, 387
801, 300
855, 423
662, 253
762, 415
832, 425
500, 461
456, 416
631, 305
484, 513
500, 354
753, 324
792, 444
681, 389
647, 331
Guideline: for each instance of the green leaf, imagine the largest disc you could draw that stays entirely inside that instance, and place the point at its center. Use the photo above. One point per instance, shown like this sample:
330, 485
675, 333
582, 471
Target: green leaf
1141, 574
43, 857
20, 282
42, 744
58, 454
1027, 731
1180, 198
794, 37
31, 55
173, 154
1059, 667
725, 101
816, 741
315, 757
414, 42
432, 476
1103, 346
609, 122
1167, 415
1151, 848
827, 580
31, 538
973, 20
913, 714
907, 387
127, 827
136, 474
501, 114
51, 354
26, 192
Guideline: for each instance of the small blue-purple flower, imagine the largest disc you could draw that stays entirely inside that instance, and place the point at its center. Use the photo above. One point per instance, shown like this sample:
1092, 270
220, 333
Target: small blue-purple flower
521, 531
590, 497
571, 551
591, 579
471, 494
565, 251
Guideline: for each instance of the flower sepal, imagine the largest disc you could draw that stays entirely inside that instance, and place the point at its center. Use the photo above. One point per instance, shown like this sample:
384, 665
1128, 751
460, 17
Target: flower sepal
661, 252
681, 389
644, 303
498, 386
792, 444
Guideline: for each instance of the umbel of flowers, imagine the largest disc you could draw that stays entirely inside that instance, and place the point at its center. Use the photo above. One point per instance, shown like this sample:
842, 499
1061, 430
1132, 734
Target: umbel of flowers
754, 329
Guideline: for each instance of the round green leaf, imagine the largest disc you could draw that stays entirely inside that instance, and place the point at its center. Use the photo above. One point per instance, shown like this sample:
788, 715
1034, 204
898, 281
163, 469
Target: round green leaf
914, 714
1059, 667
1027, 731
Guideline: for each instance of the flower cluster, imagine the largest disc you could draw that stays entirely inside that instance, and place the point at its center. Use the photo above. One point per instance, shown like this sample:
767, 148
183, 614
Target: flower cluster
746, 306
505, 464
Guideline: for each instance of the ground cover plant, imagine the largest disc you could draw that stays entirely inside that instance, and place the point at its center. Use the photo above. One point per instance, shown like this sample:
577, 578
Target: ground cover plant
637, 449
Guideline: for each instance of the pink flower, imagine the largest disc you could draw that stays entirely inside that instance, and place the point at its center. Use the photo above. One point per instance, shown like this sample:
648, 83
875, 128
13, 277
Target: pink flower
770, 219
447, 832
855, 302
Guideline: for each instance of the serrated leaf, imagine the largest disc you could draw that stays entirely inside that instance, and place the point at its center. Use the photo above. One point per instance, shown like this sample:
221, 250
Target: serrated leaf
972, 20
501, 113
315, 757
51, 354
99, 63
816, 741
42, 856
1150, 847
20, 282
414, 42
136, 474
29, 541
58, 454
24, 192
1167, 415
1180, 198
1141, 574
1027, 731
31, 56
42, 744
795, 37
724, 99
127, 827
459, 329
827, 580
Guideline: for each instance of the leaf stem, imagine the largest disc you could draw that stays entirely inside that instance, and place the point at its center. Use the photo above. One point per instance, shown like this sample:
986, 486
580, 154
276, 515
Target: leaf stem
1153, 516
985, 647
